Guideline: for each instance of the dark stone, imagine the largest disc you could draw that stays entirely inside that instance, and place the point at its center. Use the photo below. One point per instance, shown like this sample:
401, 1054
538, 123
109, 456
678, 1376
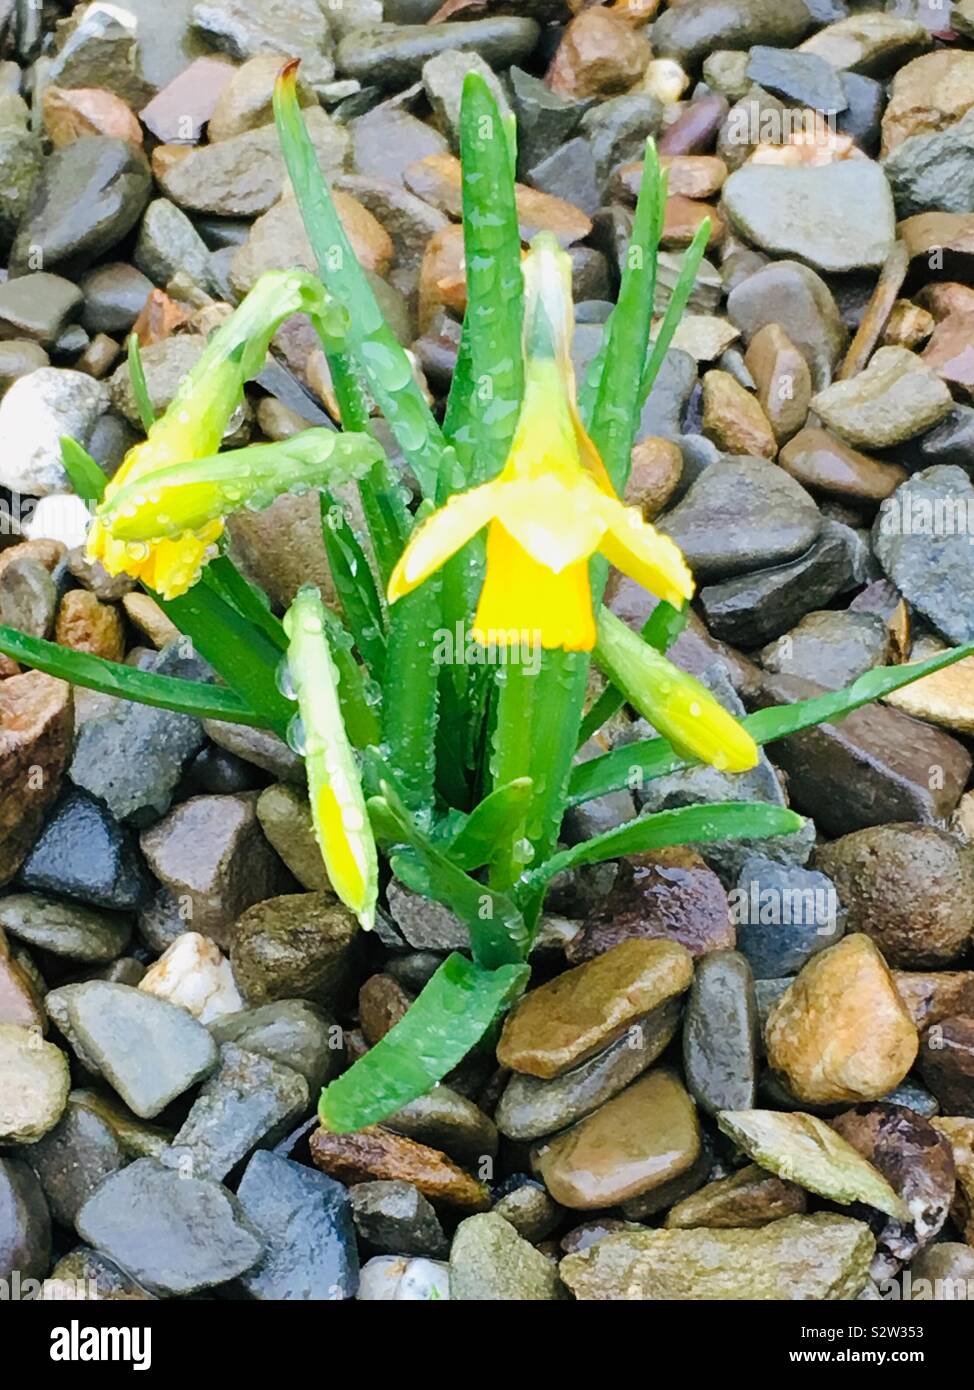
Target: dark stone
946, 1063
305, 1221
131, 756
743, 512
569, 173
720, 1034
753, 608
545, 119
917, 1163
394, 1218
89, 196
25, 1223
801, 78
922, 539
248, 1100
873, 767
695, 28
393, 55
783, 914
176, 1234
73, 1159
84, 853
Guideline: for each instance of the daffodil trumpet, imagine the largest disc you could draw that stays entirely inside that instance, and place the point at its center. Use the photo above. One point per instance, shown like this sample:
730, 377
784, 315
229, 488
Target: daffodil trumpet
679, 706
338, 809
189, 496
194, 424
552, 506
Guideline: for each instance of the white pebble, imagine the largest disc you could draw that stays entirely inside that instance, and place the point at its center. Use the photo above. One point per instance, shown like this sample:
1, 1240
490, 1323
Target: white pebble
195, 974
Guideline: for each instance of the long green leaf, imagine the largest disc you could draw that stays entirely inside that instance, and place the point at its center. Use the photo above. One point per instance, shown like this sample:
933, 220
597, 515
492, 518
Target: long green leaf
127, 682
688, 825
377, 352
492, 248
675, 309
498, 935
486, 392
635, 763
409, 693
451, 1014
355, 585
237, 650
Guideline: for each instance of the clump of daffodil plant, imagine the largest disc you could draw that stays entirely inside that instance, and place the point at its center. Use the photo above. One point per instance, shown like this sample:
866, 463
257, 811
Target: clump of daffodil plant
460, 771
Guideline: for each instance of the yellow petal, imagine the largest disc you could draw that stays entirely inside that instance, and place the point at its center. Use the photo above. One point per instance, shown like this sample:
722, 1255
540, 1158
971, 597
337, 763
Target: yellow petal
524, 602
645, 554
440, 536
348, 876
557, 523
170, 567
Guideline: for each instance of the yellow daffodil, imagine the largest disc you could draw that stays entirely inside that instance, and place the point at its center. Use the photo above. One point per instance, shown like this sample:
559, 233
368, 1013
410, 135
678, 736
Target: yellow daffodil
552, 506
193, 426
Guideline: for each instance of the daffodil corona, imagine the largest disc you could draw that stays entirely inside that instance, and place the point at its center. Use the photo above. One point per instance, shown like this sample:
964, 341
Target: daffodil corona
552, 506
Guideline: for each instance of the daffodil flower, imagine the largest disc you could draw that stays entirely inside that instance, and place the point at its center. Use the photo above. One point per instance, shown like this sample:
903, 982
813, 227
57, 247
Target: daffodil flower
552, 506
193, 426
188, 497
338, 808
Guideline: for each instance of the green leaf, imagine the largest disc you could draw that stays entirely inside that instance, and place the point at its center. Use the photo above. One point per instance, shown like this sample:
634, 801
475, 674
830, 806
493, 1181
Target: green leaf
375, 349
143, 401
498, 935
689, 825
355, 585
661, 629
490, 826
250, 602
614, 406
485, 395
492, 248
676, 307
409, 693
636, 763
187, 496
241, 653
338, 811
127, 682
451, 1014
84, 474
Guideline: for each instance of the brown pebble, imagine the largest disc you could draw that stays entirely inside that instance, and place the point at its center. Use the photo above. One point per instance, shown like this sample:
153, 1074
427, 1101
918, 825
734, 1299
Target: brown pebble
71, 114
657, 465
85, 624
382, 1002
375, 1153
840, 1031
749, 1198
668, 894
783, 379
826, 464
946, 1063
599, 55
583, 1010
734, 419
